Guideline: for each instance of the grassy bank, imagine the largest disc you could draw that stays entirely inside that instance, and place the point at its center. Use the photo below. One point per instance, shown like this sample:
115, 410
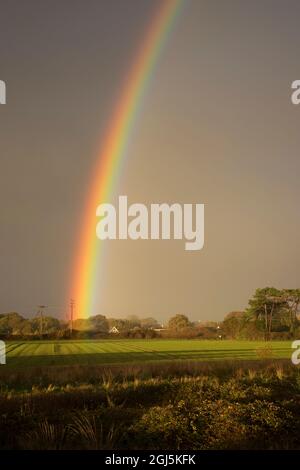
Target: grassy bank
184, 405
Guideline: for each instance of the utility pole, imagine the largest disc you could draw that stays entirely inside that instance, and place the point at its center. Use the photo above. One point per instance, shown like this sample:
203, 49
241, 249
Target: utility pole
40, 314
72, 305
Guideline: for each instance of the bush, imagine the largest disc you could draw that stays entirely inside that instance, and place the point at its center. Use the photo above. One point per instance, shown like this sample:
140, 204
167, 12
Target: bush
212, 424
204, 407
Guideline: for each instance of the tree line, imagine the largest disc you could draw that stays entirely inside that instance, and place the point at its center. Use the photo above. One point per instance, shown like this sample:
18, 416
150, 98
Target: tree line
271, 314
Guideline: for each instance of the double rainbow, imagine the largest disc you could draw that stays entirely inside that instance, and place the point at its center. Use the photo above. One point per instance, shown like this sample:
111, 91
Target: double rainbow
113, 151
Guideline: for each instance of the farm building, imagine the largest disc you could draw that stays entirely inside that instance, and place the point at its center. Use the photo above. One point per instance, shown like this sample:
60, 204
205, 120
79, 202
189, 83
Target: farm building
114, 330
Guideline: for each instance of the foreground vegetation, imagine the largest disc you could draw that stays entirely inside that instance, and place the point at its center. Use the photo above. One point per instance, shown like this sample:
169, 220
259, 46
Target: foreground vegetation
45, 353
186, 405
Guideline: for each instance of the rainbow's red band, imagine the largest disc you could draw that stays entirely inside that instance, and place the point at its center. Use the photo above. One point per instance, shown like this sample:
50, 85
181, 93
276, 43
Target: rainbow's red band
84, 273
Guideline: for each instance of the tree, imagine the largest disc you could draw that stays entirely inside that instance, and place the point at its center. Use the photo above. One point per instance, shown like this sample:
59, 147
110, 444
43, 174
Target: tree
292, 298
121, 324
133, 321
265, 305
149, 323
99, 323
81, 324
11, 324
96, 323
179, 322
50, 326
232, 324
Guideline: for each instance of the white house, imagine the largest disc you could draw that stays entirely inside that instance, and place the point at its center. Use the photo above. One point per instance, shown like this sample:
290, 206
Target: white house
114, 330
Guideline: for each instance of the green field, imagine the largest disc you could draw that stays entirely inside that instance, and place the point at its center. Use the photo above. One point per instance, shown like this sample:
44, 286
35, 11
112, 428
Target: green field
45, 353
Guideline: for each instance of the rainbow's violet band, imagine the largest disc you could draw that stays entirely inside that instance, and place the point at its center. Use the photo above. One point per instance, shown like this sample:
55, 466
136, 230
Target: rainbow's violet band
105, 174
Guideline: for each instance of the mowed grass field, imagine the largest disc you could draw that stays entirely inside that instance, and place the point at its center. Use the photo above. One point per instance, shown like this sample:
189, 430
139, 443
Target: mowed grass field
69, 352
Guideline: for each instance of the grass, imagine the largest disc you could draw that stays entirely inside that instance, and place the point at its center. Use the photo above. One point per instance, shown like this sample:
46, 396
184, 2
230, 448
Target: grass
149, 394
177, 405
126, 351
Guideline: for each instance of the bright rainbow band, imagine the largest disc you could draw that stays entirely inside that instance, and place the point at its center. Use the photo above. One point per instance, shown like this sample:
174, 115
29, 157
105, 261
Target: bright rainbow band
105, 175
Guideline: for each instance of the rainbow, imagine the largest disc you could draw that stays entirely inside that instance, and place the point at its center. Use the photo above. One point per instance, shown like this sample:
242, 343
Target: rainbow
113, 151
